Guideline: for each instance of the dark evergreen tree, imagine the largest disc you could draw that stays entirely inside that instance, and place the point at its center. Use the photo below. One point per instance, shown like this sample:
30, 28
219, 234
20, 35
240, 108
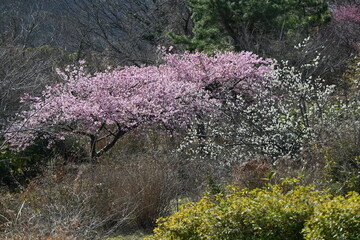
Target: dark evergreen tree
250, 24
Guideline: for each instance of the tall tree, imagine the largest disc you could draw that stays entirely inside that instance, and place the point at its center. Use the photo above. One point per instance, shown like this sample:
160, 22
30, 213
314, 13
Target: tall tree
250, 24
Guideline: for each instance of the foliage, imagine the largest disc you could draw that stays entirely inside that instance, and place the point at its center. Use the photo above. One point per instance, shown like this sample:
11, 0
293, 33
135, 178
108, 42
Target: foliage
336, 219
352, 74
343, 164
222, 24
275, 212
107, 105
17, 169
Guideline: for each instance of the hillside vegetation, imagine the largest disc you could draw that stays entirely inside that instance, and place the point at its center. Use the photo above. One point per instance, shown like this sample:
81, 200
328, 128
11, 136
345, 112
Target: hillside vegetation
179, 119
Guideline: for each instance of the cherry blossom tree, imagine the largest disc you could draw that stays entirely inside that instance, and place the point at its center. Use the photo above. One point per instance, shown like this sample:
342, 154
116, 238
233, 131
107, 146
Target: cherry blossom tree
347, 12
106, 105
347, 22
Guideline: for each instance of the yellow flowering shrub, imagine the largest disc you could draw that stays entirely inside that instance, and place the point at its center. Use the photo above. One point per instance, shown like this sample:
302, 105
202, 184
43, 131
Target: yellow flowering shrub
274, 212
337, 219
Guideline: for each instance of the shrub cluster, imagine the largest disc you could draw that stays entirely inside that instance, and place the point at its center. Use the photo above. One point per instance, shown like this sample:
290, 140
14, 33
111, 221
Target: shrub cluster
17, 169
335, 219
283, 211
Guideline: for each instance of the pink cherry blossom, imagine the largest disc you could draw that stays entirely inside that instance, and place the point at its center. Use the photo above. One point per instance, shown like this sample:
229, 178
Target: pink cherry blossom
106, 105
347, 12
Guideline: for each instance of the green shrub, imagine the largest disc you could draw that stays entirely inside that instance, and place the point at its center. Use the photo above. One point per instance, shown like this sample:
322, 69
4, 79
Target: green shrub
336, 219
339, 156
285, 211
343, 167
275, 212
17, 168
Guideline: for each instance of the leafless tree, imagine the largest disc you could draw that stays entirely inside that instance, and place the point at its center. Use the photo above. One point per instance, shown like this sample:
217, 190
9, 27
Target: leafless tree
127, 31
22, 71
26, 59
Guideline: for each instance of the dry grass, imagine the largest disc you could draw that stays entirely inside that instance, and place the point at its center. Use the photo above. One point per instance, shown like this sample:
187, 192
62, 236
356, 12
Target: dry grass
89, 201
